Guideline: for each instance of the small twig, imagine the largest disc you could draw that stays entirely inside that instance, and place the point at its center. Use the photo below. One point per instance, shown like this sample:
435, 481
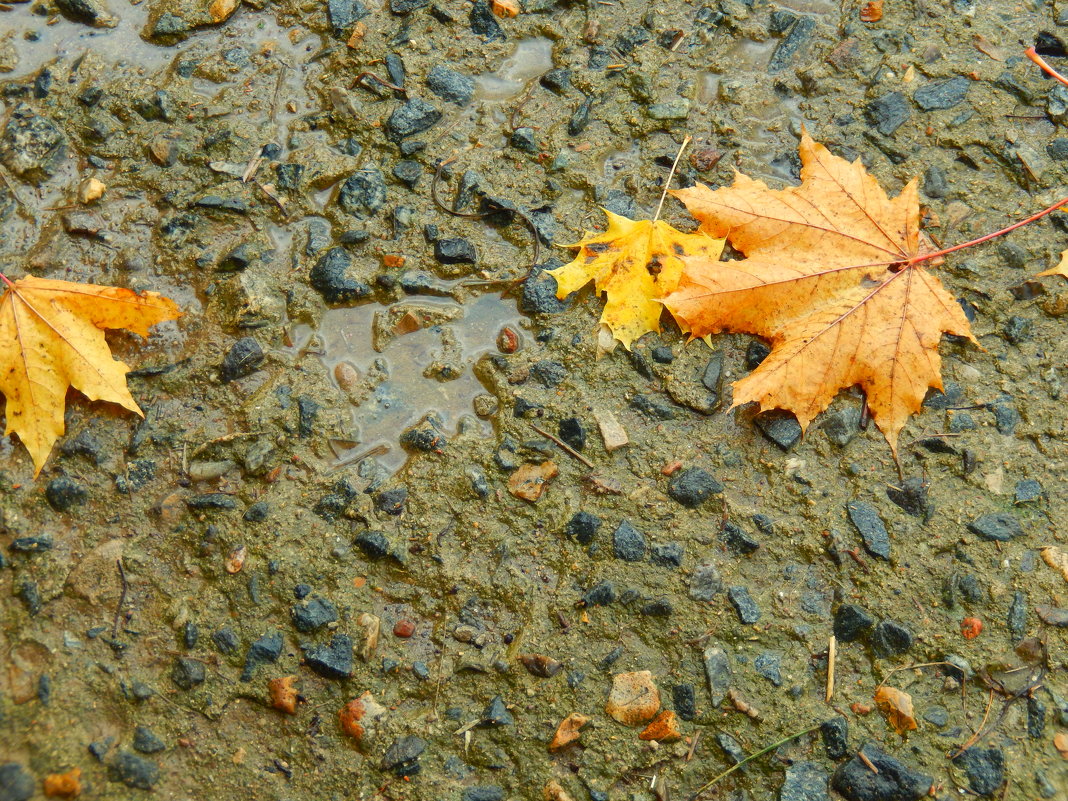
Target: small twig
751, 757
567, 448
519, 106
912, 667
667, 183
122, 598
693, 746
225, 438
864, 758
365, 75
832, 652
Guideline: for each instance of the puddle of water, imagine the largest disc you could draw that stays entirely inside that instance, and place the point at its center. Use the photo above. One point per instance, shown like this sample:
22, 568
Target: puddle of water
532, 57
59, 37
406, 394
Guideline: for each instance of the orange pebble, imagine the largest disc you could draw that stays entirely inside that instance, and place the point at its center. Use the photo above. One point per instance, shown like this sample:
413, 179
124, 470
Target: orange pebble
970, 627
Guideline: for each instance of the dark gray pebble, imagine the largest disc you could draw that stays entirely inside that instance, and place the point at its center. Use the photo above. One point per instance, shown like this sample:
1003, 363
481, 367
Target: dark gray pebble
668, 554
996, 526
241, 360
628, 543
600, 594
16, 784
738, 539
332, 660
942, 94
780, 427
328, 278
450, 85
496, 713
835, 735
693, 486
133, 771
413, 117
769, 665
705, 583
63, 493
871, 528
684, 699
895, 780
483, 792
146, 741
403, 754
313, 613
455, 251
187, 672
985, 769
890, 638
744, 605
583, 527
805, 781
851, 622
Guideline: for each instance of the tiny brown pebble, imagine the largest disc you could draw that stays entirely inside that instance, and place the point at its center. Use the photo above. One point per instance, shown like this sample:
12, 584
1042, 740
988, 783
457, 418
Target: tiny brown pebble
540, 665
236, 560
663, 728
705, 158
393, 260
64, 785
404, 628
284, 695
859, 708
568, 731
507, 340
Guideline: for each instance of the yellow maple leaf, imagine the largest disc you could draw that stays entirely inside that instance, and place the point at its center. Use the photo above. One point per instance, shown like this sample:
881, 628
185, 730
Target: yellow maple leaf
52, 337
635, 263
833, 278
1062, 267
897, 706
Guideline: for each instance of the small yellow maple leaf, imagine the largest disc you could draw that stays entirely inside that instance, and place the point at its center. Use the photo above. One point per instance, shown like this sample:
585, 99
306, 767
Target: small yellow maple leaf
834, 279
52, 337
634, 263
1062, 267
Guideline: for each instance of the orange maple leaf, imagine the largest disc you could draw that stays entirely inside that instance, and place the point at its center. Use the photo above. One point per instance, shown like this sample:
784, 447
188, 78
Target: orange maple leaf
833, 278
52, 337
635, 263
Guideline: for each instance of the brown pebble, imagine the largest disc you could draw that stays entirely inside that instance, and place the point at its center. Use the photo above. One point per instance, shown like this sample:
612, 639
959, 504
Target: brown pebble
507, 340
358, 716
663, 728
283, 694
634, 698
530, 480
540, 665
404, 628
64, 785
568, 731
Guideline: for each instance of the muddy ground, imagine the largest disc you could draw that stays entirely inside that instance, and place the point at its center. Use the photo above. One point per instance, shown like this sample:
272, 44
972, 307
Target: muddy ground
268, 513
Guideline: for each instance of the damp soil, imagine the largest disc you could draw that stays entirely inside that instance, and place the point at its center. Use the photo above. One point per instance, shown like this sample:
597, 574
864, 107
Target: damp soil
332, 429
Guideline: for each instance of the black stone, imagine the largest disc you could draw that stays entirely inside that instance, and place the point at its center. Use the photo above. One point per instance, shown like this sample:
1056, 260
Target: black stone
374, 544
888, 113
684, 698
985, 769
548, 373
241, 360
328, 277
450, 85
257, 512
425, 437
571, 431
392, 501
738, 539
890, 638
524, 139
484, 22
88, 12
911, 496
266, 650
557, 80
288, 176
779, 426
895, 781
835, 735
600, 594
580, 118
496, 714
455, 251
16, 784
791, 44
225, 640
413, 117
1058, 149
401, 7
344, 14
146, 741
583, 527
408, 171
187, 673
744, 605
38, 543
661, 607
693, 486
32, 146
332, 660
628, 543
403, 754
769, 665
631, 38
1017, 615
942, 94
539, 291
211, 500
313, 613
133, 771
395, 69
307, 411
1036, 719
364, 192
668, 554
851, 622
871, 528
997, 526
